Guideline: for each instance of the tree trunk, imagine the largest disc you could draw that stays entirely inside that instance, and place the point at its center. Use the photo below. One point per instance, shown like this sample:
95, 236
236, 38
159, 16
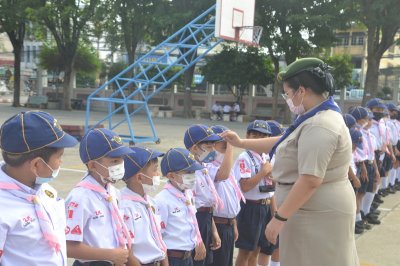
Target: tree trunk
67, 86
17, 76
371, 81
187, 100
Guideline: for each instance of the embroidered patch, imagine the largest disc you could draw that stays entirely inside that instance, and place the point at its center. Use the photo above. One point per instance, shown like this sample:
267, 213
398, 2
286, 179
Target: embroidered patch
162, 225
131, 234
137, 216
27, 221
1, 253
126, 217
72, 205
176, 210
67, 230
76, 230
70, 214
98, 214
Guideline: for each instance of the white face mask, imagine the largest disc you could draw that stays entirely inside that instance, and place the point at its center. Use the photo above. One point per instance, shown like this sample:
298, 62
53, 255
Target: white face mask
151, 188
297, 110
188, 181
41, 180
115, 172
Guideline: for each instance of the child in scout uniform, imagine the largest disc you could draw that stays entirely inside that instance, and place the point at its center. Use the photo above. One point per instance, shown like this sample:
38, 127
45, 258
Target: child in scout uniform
199, 140
220, 171
96, 233
366, 160
32, 220
252, 170
349, 120
175, 204
391, 124
265, 251
142, 177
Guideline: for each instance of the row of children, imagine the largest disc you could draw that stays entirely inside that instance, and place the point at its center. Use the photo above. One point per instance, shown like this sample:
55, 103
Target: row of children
374, 171
208, 203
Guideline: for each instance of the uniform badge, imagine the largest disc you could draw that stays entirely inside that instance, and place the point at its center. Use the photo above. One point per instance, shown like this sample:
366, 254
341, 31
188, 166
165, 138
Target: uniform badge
76, 230
67, 230
205, 172
1, 253
49, 194
187, 202
153, 209
191, 156
131, 234
57, 125
117, 139
27, 221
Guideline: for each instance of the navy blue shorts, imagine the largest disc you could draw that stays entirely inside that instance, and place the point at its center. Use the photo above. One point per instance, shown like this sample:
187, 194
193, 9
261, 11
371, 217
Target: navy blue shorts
180, 262
387, 163
363, 187
371, 177
251, 222
204, 219
224, 255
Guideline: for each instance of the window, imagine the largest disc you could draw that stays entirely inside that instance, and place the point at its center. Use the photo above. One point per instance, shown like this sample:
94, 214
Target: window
360, 40
354, 40
345, 40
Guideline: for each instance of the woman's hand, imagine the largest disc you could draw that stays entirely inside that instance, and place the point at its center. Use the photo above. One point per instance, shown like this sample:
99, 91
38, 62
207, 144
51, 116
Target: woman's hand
232, 138
273, 229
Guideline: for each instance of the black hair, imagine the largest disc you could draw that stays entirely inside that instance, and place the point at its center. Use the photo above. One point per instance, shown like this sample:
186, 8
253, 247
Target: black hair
317, 79
256, 132
15, 160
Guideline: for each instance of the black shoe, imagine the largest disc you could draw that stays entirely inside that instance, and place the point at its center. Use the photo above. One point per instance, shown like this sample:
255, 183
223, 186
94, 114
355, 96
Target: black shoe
378, 199
366, 225
397, 187
374, 211
391, 190
358, 229
374, 205
372, 215
372, 219
383, 193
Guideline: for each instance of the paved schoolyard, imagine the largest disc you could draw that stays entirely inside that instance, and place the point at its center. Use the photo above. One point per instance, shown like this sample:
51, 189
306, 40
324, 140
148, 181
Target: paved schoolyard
378, 247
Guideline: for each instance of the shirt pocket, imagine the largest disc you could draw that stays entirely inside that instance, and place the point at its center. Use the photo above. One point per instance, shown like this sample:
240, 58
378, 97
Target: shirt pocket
288, 147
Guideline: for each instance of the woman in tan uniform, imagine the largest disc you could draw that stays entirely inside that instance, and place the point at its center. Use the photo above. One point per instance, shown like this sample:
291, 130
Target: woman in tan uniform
316, 203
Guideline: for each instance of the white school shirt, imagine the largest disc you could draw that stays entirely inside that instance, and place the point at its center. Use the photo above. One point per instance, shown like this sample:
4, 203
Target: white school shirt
244, 168
177, 226
21, 239
137, 220
227, 108
391, 125
353, 164
88, 217
368, 146
202, 190
378, 129
226, 192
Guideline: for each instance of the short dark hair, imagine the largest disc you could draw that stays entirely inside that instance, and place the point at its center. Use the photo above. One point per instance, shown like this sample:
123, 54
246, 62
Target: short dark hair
15, 160
307, 80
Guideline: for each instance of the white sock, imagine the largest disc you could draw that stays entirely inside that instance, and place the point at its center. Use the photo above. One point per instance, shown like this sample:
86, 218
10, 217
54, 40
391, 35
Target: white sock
367, 202
387, 181
398, 173
358, 217
393, 177
383, 182
378, 186
274, 263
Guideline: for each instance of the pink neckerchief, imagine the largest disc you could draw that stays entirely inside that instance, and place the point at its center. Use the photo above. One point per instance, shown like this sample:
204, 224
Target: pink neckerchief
122, 230
219, 204
155, 229
231, 178
371, 148
184, 197
44, 221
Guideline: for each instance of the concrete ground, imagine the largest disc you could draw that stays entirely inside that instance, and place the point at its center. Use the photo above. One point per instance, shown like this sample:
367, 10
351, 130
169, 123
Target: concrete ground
377, 247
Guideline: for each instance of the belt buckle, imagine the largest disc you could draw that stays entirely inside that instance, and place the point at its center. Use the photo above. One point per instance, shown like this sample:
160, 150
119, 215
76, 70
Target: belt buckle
187, 254
265, 201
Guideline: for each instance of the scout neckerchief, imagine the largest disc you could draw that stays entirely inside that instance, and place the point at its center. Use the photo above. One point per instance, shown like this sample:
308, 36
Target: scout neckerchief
219, 204
328, 104
150, 211
118, 222
44, 221
235, 186
252, 154
184, 197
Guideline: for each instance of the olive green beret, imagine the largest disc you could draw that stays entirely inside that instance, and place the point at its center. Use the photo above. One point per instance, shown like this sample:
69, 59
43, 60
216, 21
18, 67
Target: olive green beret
298, 66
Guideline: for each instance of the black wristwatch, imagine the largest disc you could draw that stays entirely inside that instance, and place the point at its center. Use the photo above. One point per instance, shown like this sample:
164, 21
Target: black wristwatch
280, 218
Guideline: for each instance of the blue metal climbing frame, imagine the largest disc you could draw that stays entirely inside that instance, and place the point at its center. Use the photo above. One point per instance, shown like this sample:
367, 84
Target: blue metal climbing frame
179, 51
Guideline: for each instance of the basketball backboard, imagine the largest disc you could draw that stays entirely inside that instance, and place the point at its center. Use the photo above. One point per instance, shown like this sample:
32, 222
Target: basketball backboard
235, 20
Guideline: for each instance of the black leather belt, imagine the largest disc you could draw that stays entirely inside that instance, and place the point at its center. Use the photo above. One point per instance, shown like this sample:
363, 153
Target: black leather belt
286, 183
179, 254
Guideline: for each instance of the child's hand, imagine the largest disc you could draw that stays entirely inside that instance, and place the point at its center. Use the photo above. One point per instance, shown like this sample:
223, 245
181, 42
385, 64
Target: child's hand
216, 241
200, 252
266, 169
119, 256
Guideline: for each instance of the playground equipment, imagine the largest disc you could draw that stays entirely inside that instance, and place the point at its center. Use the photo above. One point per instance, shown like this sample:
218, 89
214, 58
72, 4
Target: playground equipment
151, 73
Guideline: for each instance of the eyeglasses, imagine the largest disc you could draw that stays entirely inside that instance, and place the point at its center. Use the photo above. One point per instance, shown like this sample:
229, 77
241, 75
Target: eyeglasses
285, 96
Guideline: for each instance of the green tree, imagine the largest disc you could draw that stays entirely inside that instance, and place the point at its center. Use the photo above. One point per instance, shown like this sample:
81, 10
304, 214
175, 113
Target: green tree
13, 21
383, 23
66, 19
237, 68
293, 29
86, 61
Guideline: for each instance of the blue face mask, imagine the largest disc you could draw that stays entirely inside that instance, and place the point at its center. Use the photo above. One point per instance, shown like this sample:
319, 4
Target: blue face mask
42, 180
208, 157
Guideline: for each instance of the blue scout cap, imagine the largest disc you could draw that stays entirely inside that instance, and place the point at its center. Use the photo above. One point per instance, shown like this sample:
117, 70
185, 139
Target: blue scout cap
33, 130
199, 133
375, 102
101, 142
260, 126
370, 114
137, 159
218, 129
276, 128
356, 137
349, 120
359, 112
392, 107
179, 159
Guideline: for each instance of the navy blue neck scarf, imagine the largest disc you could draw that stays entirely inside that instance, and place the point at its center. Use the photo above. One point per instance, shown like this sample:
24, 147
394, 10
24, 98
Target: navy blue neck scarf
329, 104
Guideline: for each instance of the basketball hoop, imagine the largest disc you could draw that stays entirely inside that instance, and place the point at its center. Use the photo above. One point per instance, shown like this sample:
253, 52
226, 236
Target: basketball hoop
252, 32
